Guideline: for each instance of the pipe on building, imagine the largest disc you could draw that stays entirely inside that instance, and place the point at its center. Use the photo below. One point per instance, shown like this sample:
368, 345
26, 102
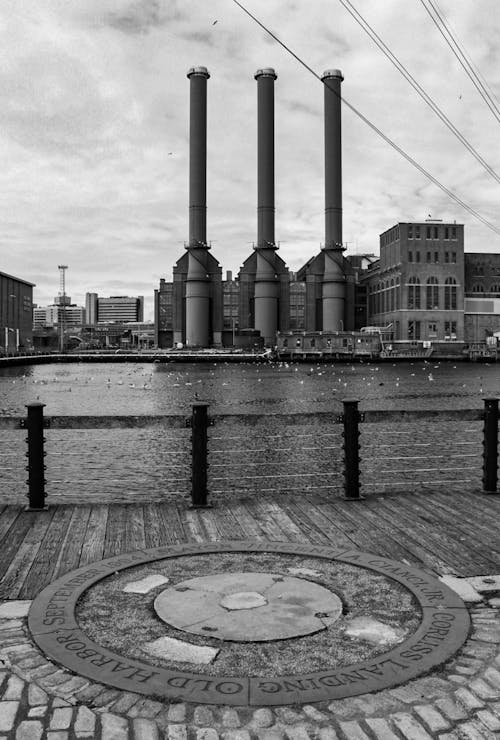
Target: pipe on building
266, 280
197, 280
334, 290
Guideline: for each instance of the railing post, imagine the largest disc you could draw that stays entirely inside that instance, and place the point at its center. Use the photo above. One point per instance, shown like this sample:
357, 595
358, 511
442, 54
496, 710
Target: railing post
490, 445
199, 442
351, 420
36, 467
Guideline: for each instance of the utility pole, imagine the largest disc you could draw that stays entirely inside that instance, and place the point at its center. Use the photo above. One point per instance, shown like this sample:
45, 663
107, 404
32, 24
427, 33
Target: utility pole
62, 293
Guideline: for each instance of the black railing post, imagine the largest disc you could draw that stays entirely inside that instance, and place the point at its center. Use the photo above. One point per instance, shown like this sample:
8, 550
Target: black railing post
490, 445
199, 446
36, 467
351, 420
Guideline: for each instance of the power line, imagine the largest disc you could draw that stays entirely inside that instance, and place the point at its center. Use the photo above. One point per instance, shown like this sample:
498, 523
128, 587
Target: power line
374, 128
455, 48
416, 86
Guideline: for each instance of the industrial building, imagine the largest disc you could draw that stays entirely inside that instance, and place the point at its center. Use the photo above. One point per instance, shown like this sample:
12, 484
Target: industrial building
422, 288
16, 306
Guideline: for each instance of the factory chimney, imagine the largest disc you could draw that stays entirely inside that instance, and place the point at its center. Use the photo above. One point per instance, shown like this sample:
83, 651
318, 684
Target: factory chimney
266, 278
333, 276
198, 280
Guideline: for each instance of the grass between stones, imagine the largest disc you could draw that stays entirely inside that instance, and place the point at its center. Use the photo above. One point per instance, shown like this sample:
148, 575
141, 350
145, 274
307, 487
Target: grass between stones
122, 622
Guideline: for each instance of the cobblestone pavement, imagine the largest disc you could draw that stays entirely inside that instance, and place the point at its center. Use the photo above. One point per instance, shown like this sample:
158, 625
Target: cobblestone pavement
40, 700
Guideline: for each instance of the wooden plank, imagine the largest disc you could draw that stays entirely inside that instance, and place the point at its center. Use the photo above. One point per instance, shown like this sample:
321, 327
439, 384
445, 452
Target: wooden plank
7, 519
227, 523
42, 570
336, 535
247, 522
402, 545
276, 511
467, 555
95, 535
209, 524
471, 523
153, 529
16, 534
267, 525
446, 553
22, 561
192, 525
167, 530
310, 533
114, 543
135, 538
74, 542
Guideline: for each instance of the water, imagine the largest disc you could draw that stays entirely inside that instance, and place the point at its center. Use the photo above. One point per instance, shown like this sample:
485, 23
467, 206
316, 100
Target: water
154, 463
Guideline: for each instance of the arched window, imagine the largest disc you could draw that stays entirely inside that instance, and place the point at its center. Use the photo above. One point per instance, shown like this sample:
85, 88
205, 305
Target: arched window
495, 288
450, 294
392, 295
432, 294
478, 288
413, 292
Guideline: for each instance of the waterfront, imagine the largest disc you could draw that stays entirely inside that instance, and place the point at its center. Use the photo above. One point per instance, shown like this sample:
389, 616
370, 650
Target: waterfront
154, 463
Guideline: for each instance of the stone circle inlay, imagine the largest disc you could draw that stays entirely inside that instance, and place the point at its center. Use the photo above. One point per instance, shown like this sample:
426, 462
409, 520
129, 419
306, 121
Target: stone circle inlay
248, 606
443, 628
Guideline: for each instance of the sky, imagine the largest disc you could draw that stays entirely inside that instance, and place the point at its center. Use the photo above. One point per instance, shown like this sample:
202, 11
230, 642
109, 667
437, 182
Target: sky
94, 114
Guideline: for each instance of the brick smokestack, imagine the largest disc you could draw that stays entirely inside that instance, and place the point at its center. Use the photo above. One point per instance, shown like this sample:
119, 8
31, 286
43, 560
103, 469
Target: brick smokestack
266, 279
198, 281
333, 277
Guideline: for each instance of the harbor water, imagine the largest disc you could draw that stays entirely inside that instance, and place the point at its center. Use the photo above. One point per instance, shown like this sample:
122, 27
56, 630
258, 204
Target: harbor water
154, 463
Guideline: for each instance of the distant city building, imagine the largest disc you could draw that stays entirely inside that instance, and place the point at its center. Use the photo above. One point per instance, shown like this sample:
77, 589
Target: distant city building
115, 308
482, 295
91, 309
61, 313
16, 306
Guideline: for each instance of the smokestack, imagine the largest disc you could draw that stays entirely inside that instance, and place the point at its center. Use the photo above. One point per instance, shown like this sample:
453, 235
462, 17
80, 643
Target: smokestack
333, 277
198, 281
266, 284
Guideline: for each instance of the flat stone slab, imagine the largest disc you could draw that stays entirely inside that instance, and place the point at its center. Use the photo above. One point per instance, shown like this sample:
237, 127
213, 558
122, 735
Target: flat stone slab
14, 609
146, 584
443, 629
183, 652
373, 631
248, 606
463, 588
483, 584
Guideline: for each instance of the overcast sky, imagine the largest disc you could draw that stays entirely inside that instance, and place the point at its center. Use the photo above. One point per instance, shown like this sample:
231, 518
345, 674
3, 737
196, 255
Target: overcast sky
94, 131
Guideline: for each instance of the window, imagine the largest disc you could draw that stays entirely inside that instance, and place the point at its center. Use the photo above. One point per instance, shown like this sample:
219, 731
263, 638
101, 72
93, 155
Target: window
428, 257
427, 232
432, 329
410, 231
446, 232
453, 232
391, 295
313, 342
410, 256
417, 232
436, 257
417, 256
450, 294
413, 292
454, 258
495, 288
478, 288
446, 256
432, 294
414, 330
285, 342
436, 232
450, 329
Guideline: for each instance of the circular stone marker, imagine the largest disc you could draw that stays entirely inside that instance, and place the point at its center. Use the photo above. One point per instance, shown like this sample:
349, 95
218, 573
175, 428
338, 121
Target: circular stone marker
248, 607
443, 629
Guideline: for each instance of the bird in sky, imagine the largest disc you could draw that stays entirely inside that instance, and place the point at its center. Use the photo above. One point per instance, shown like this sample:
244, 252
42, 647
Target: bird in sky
213, 24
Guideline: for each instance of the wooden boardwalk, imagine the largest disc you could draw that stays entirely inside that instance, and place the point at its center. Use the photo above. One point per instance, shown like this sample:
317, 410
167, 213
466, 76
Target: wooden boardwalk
451, 532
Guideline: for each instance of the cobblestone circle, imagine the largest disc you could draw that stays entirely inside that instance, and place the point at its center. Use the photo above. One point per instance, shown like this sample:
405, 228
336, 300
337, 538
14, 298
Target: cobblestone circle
460, 701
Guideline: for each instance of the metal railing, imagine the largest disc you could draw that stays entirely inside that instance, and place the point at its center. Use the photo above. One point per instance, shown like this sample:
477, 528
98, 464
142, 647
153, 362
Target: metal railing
230, 464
